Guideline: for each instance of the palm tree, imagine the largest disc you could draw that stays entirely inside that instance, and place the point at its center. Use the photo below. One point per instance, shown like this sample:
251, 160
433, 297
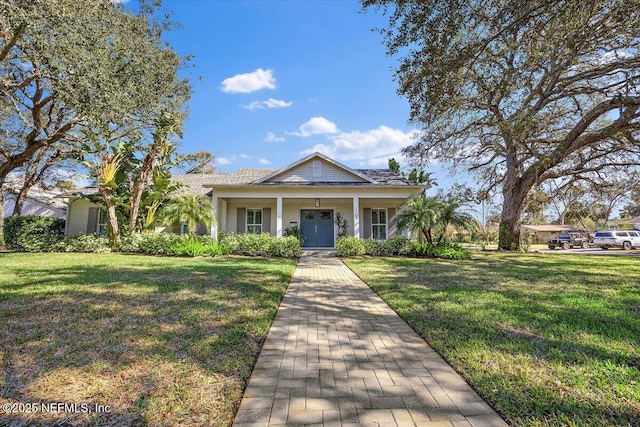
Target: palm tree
106, 168
188, 209
419, 213
449, 214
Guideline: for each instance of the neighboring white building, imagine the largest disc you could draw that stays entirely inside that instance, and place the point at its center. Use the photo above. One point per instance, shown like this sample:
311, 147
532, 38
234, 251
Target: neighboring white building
39, 201
307, 193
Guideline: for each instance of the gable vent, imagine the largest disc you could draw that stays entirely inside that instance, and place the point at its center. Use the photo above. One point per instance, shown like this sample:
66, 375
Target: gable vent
317, 168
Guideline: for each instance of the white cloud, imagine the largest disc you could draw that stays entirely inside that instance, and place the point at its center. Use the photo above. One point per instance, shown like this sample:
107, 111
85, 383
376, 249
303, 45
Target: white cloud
232, 159
269, 103
265, 162
249, 82
372, 147
315, 126
272, 138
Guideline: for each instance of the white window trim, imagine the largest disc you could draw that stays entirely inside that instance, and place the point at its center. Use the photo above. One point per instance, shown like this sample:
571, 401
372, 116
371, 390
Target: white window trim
246, 221
386, 222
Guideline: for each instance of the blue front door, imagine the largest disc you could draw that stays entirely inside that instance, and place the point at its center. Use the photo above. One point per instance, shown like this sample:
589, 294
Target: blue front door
316, 226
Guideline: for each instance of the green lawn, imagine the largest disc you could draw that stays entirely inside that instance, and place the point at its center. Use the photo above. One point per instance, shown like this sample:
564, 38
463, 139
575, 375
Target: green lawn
162, 341
548, 340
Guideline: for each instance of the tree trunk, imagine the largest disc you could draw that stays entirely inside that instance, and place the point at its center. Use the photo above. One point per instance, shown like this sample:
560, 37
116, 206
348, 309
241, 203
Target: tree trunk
1, 212
114, 228
20, 198
514, 194
139, 186
562, 216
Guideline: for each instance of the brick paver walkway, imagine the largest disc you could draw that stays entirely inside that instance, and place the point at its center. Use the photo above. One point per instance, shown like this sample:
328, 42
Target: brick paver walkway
337, 354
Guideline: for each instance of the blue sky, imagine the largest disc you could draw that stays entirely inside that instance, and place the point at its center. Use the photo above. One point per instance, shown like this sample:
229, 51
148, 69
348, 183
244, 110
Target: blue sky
276, 80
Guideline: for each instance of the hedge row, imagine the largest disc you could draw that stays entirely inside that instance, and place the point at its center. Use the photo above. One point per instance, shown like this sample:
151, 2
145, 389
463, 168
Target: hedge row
41, 234
401, 246
31, 233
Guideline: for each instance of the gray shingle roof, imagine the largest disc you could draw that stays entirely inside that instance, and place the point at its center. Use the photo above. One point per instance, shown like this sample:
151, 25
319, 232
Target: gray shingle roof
241, 176
249, 176
385, 176
195, 182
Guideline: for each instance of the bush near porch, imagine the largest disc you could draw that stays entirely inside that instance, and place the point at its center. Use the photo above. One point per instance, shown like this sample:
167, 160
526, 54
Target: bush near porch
349, 246
39, 234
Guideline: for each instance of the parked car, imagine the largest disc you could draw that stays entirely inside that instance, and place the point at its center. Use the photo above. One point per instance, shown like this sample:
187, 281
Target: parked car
625, 239
569, 241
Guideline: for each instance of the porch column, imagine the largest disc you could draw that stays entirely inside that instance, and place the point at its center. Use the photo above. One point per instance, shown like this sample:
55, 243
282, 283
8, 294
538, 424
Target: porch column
279, 216
356, 217
214, 223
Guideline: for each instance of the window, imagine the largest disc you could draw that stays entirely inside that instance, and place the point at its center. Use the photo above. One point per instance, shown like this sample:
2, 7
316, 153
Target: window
379, 224
633, 234
317, 168
102, 227
254, 221
184, 229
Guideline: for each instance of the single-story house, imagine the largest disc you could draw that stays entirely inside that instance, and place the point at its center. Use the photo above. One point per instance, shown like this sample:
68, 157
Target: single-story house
40, 201
544, 232
308, 194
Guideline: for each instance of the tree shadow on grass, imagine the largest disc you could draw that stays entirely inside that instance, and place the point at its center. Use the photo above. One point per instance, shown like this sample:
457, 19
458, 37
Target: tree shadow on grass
162, 341
542, 338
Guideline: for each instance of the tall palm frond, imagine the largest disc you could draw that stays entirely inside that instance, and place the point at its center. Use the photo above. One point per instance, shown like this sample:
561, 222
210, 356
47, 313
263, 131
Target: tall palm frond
188, 209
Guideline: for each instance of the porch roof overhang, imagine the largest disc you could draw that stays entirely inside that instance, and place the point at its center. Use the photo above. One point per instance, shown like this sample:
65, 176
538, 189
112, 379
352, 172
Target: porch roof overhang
268, 187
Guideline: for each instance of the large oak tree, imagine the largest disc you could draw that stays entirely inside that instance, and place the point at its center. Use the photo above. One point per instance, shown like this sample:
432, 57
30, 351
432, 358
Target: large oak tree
519, 91
66, 65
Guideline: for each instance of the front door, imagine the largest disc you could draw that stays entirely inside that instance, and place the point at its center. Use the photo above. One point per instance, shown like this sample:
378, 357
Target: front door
316, 226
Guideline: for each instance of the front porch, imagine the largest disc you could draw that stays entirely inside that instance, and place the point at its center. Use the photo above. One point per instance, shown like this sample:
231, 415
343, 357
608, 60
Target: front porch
367, 215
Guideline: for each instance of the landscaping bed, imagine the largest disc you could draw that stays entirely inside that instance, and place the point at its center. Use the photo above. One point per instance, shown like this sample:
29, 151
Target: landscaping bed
158, 340
547, 340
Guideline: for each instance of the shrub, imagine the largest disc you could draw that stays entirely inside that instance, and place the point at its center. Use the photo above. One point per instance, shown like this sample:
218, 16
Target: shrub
296, 232
247, 244
260, 245
32, 233
350, 246
193, 247
372, 247
440, 250
149, 243
286, 247
399, 245
82, 243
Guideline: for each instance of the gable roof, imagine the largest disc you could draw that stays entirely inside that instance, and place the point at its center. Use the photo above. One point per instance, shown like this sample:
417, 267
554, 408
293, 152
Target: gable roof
311, 157
200, 184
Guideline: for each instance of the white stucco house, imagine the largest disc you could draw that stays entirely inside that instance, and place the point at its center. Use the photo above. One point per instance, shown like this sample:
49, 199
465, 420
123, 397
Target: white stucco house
307, 193
40, 201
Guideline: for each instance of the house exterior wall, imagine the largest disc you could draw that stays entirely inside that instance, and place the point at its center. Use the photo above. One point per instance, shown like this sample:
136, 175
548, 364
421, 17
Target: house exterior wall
291, 207
78, 218
304, 173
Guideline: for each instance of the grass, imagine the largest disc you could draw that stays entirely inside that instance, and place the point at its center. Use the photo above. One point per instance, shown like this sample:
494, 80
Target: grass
162, 341
547, 340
